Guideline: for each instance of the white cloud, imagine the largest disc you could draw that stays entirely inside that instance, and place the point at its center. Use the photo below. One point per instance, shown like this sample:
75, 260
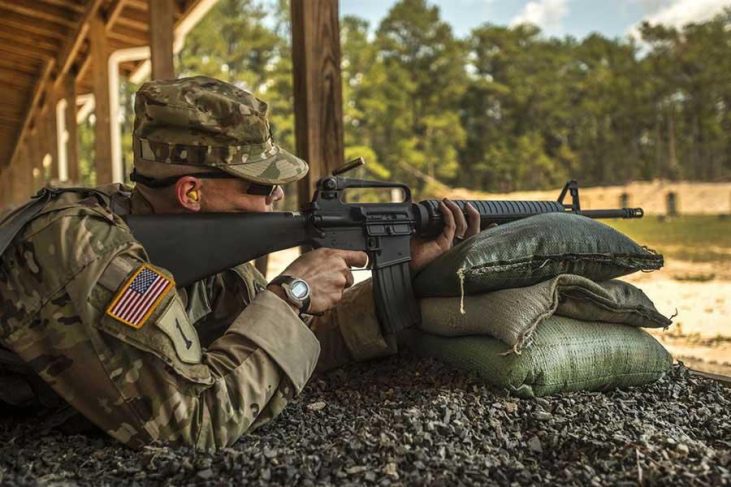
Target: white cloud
681, 12
546, 14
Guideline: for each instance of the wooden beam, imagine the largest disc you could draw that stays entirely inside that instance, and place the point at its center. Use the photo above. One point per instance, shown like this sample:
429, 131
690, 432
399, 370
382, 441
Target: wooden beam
35, 160
51, 131
20, 23
5, 191
131, 37
114, 12
17, 79
72, 142
37, 92
102, 126
161, 39
138, 4
11, 114
47, 13
23, 172
65, 4
15, 110
84, 68
30, 69
136, 24
35, 54
30, 42
318, 101
67, 55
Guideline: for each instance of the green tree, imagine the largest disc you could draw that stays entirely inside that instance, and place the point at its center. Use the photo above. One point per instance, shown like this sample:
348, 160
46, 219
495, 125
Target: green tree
418, 77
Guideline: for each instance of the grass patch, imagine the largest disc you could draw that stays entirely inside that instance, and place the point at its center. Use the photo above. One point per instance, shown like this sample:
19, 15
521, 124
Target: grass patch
692, 238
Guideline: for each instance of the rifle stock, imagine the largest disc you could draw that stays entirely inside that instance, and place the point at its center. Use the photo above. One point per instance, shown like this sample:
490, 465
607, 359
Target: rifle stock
195, 246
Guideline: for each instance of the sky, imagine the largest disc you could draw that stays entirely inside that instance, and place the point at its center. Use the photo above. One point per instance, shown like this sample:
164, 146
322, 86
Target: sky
578, 18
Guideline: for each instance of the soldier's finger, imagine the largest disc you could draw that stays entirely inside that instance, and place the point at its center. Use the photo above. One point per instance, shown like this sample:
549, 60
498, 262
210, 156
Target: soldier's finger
449, 224
354, 258
459, 219
473, 217
349, 279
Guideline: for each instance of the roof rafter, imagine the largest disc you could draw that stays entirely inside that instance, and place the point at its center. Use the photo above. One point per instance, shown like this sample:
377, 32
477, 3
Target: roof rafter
37, 92
51, 14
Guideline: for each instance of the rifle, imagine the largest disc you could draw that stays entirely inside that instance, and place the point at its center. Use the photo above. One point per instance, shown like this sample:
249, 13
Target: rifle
194, 246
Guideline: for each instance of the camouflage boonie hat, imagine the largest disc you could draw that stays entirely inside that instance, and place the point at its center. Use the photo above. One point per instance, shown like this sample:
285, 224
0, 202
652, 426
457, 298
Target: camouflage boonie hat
203, 121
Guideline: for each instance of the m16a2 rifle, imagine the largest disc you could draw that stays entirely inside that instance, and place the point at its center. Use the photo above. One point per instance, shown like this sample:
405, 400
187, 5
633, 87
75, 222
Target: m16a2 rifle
197, 245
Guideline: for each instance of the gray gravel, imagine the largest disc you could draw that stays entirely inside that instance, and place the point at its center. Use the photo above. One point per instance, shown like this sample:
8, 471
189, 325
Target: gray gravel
413, 421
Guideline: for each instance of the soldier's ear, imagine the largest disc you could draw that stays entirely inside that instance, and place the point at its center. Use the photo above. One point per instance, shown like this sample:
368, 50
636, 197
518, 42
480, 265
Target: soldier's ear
188, 193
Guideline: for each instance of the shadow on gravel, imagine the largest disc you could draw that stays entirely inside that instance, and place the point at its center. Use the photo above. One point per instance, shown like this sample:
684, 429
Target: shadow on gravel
415, 421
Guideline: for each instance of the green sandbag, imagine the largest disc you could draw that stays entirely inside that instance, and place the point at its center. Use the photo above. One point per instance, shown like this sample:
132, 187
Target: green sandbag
566, 355
512, 315
531, 250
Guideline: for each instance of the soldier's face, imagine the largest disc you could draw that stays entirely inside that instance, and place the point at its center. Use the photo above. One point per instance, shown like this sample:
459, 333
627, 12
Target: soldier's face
229, 196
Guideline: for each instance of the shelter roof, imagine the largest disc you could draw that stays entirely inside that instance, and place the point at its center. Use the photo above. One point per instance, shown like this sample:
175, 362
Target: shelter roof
43, 40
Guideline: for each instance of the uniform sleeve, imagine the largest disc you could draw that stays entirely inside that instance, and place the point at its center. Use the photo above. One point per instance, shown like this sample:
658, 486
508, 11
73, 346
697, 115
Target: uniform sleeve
350, 331
149, 381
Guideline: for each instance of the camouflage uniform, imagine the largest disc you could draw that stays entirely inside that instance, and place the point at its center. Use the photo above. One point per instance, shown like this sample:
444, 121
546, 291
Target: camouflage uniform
210, 362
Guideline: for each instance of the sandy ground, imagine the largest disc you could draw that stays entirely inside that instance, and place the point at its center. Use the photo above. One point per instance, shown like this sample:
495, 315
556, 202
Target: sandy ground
700, 294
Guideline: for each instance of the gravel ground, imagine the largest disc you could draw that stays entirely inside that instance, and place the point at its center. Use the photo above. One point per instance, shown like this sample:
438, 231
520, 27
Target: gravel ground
412, 421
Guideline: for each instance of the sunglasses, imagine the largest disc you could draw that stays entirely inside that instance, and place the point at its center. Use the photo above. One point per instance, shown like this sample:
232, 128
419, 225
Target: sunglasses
253, 189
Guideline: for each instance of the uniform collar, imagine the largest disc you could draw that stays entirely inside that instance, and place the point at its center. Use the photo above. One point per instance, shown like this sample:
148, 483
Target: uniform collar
139, 204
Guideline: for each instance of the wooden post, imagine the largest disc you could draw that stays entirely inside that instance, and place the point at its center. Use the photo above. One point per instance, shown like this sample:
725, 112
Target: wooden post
4, 189
7, 187
40, 138
51, 132
102, 127
23, 172
161, 38
11, 186
72, 142
35, 158
318, 99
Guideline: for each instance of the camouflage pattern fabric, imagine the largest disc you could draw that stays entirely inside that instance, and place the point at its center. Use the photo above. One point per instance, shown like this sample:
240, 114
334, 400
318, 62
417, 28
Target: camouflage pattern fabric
202, 121
211, 363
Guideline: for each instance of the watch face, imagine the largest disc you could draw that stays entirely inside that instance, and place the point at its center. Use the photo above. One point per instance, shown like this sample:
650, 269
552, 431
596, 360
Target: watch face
299, 289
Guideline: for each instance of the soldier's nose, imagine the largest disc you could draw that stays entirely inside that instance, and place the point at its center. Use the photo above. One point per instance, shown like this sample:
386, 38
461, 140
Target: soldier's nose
277, 195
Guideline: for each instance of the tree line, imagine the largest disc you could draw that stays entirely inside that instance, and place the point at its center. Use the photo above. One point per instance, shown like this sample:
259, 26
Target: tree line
502, 109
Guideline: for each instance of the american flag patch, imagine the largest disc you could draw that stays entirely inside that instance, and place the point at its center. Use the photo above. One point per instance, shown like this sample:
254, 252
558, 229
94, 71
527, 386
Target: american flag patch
139, 296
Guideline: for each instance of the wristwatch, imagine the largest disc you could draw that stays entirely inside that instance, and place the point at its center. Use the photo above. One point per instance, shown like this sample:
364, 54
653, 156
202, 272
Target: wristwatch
296, 289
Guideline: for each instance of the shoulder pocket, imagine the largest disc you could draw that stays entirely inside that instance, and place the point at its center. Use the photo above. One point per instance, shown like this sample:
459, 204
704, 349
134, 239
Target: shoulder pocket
168, 335
160, 326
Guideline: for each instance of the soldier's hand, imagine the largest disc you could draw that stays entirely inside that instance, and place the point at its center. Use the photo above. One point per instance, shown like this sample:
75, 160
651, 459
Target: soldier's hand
328, 273
456, 227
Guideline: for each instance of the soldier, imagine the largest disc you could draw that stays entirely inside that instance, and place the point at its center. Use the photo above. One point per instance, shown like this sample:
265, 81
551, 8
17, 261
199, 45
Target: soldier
86, 313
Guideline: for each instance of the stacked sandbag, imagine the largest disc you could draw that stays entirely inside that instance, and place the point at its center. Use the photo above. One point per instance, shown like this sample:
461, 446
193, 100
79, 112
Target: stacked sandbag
532, 306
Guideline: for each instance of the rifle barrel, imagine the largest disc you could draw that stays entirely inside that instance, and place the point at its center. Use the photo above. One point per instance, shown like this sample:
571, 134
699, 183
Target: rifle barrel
617, 213
430, 221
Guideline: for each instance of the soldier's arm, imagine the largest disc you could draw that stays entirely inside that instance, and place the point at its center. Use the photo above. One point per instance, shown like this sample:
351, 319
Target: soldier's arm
201, 398
348, 332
